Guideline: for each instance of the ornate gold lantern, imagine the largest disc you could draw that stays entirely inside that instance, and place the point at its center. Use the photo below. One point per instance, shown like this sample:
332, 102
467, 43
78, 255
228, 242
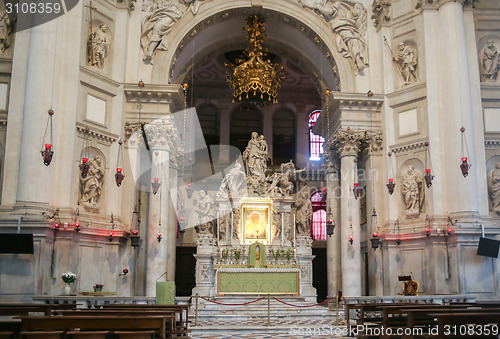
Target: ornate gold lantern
255, 80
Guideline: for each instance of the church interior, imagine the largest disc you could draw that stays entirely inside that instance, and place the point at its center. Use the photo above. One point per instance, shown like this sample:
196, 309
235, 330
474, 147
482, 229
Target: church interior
203, 154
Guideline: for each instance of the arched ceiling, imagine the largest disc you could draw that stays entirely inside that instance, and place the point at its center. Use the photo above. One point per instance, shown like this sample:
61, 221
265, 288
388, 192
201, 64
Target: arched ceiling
200, 56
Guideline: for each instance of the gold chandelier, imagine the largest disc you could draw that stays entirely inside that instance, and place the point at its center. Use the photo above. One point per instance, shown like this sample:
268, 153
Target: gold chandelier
255, 80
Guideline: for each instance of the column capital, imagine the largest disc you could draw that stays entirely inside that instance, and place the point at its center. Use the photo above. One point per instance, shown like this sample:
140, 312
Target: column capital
162, 136
347, 142
374, 141
435, 4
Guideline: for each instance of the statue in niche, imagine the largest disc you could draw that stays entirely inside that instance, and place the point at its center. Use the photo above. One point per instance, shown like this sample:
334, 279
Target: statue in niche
6, 28
205, 208
98, 46
347, 20
91, 185
412, 188
222, 228
234, 182
490, 62
281, 183
304, 212
494, 188
406, 58
163, 14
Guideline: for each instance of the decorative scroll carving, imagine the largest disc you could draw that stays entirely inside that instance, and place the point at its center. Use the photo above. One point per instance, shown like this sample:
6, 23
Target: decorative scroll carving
161, 17
380, 10
162, 135
490, 62
347, 20
91, 185
98, 46
347, 142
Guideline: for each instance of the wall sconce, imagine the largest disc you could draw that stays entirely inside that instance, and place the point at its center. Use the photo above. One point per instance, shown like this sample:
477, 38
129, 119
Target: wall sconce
396, 228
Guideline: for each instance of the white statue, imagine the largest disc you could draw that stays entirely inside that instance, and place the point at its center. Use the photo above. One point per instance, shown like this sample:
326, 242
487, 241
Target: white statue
91, 185
494, 188
205, 208
347, 20
304, 212
234, 182
98, 46
490, 62
5, 28
158, 24
407, 60
281, 183
255, 156
412, 188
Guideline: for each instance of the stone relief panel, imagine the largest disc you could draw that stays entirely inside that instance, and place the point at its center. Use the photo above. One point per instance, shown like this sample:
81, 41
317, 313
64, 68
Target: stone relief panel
489, 59
7, 24
160, 18
347, 19
406, 60
91, 187
98, 45
412, 187
493, 177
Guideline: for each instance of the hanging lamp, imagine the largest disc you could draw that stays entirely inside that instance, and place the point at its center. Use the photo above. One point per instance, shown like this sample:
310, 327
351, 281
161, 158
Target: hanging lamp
47, 150
390, 184
465, 165
119, 165
84, 154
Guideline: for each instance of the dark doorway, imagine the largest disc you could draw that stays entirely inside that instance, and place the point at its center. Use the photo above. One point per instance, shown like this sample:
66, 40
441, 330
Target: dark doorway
320, 280
185, 265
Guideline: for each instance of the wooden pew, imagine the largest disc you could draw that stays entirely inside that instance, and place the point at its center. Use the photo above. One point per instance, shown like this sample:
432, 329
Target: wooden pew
25, 309
181, 310
461, 320
179, 329
162, 324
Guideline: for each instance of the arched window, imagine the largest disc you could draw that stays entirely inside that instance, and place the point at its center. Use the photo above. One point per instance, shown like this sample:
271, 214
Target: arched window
244, 121
318, 225
315, 141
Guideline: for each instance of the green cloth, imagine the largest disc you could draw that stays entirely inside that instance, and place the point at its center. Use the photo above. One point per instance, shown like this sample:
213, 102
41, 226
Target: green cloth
258, 283
165, 293
252, 261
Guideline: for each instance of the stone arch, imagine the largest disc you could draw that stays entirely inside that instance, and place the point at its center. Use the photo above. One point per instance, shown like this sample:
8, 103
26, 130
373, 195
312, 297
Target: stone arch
323, 62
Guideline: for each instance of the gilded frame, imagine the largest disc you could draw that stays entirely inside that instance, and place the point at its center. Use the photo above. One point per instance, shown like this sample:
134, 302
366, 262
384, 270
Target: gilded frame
256, 221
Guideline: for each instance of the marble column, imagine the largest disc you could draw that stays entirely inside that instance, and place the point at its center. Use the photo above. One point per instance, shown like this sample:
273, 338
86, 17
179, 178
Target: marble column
157, 252
172, 222
36, 182
374, 192
334, 275
347, 144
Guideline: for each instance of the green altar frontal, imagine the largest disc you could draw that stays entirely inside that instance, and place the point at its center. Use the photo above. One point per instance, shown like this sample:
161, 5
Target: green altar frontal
258, 281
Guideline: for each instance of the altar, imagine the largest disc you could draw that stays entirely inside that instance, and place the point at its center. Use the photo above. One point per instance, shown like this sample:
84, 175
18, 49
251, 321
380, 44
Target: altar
254, 231
258, 281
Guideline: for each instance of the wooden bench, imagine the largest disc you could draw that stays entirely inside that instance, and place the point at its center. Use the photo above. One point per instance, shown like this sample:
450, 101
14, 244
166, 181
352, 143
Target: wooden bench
181, 310
42, 334
6, 334
25, 309
161, 324
461, 320
179, 329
